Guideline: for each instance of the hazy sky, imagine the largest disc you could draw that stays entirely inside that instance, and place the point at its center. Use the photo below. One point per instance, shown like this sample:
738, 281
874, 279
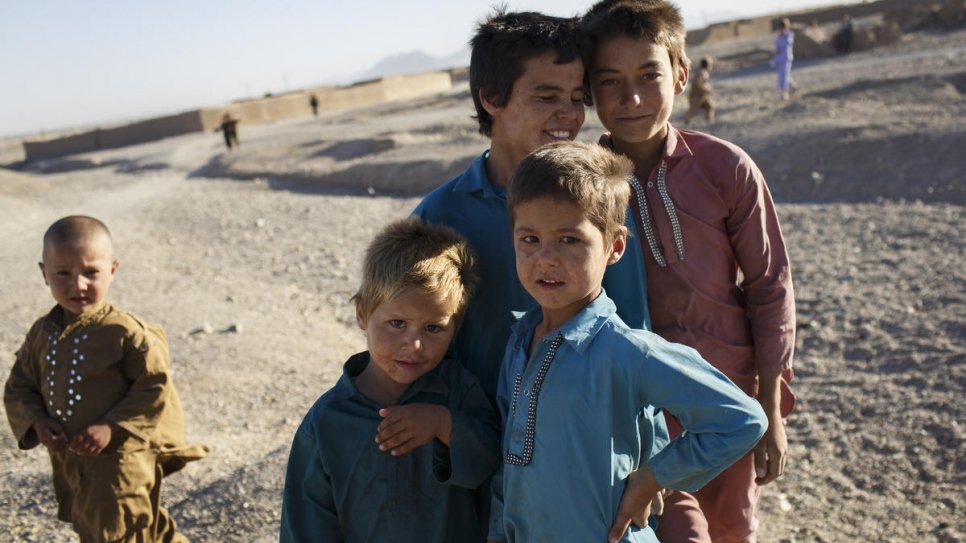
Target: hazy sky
69, 63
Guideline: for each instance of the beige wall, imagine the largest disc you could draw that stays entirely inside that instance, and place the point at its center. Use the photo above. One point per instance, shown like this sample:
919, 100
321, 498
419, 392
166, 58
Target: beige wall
11, 150
255, 111
760, 26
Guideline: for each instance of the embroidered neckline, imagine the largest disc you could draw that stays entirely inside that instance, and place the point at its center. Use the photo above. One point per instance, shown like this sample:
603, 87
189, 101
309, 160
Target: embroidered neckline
531, 430
645, 219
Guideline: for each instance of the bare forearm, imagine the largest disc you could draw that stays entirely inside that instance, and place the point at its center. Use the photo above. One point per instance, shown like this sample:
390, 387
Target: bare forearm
769, 393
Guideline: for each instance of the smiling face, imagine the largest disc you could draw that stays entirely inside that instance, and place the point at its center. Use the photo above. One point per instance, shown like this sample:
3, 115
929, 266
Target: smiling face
561, 256
545, 104
634, 85
79, 273
407, 337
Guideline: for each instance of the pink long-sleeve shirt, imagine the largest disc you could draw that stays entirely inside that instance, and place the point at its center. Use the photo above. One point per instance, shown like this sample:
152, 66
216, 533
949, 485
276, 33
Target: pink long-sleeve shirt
725, 286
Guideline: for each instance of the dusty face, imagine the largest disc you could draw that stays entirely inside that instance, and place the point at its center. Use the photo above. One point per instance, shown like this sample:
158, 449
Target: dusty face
408, 337
545, 104
79, 274
634, 85
561, 256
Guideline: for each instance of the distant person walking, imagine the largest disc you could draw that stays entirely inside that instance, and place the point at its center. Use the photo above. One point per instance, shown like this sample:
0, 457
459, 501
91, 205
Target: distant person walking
700, 96
314, 102
229, 129
782, 61
843, 38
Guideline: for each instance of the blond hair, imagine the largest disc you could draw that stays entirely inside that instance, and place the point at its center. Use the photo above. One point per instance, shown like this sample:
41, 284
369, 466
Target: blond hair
586, 175
410, 254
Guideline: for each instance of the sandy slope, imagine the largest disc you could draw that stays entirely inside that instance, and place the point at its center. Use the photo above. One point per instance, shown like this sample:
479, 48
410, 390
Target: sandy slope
866, 163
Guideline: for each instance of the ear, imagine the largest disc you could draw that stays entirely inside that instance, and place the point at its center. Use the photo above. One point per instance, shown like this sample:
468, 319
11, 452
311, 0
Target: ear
681, 79
42, 272
360, 319
490, 108
114, 266
618, 247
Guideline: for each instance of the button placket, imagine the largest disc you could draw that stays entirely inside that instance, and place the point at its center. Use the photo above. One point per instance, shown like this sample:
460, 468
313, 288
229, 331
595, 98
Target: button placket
529, 437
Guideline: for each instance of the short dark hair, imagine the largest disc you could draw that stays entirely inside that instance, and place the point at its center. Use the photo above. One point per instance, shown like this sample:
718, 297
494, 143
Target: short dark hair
657, 21
74, 229
587, 175
503, 42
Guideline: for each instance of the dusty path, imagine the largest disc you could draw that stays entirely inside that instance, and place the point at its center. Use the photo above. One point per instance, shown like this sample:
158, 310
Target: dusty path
877, 447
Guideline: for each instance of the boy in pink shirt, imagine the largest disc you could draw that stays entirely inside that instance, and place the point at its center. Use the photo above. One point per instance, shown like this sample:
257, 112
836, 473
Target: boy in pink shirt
718, 276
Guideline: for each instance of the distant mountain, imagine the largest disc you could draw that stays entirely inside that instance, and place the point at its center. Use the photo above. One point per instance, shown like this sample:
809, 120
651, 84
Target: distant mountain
415, 62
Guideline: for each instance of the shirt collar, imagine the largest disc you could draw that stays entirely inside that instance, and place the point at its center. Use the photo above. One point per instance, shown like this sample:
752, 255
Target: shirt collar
431, 383
675, 145
476, 180
55, 318
578, 332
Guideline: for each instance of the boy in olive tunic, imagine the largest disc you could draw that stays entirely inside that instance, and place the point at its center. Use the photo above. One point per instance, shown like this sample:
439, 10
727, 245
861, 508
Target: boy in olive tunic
92, 384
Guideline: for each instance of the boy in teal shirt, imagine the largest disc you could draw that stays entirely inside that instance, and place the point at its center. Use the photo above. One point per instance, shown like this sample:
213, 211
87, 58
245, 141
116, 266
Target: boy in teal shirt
395, 449
575, 377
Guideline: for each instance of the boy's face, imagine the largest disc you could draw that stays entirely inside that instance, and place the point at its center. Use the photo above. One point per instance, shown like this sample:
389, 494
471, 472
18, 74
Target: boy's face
79, 274
408, 336
634, 85
545, 104
561, 256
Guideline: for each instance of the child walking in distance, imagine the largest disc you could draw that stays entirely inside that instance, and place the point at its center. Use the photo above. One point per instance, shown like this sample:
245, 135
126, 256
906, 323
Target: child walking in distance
700, 97
92, 383
575, 378
783, 58
395, 449
718, 276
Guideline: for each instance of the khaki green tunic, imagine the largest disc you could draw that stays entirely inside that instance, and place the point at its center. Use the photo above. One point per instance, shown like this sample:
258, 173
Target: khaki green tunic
107, 366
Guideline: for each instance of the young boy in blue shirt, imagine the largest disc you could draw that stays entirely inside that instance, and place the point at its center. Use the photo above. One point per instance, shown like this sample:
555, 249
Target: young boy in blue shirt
575, 377
395, 449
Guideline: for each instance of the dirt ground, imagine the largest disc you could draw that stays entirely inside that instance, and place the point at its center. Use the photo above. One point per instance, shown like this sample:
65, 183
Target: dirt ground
248, 259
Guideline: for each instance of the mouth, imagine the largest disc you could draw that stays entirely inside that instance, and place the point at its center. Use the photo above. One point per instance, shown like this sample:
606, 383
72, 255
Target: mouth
406, 365
550, 283
560, 135
633, 118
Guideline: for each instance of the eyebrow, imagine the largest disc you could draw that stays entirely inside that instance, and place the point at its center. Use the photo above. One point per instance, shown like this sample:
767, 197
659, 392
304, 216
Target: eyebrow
647, 65
550, 87
564, 230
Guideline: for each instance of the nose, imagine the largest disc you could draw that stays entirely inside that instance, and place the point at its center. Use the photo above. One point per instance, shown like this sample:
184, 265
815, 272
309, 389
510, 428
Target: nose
414, 342
570, 109
80, 282
547, 255
631, 96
